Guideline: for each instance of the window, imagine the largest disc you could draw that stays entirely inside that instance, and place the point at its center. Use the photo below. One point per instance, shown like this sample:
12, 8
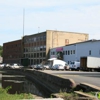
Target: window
40, 55
37, 54
32, 55
44, 47
41, 38
44, 54
73, 51
35, 39
53, 53
89, 52
44, 37
66, 52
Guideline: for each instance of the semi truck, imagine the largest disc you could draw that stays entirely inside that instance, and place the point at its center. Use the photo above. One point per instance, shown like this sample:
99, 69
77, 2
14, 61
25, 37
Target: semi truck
90, 63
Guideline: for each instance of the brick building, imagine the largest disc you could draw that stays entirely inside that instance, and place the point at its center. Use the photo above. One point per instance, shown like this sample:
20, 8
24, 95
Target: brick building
12, 51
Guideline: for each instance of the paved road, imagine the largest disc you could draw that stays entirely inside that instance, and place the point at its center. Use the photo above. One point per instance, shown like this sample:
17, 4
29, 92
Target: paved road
79, 77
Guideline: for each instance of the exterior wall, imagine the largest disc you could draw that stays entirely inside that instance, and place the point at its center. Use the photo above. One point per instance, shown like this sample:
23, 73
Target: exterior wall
12, 51
35, 48
77, 50
61, 38
52, 39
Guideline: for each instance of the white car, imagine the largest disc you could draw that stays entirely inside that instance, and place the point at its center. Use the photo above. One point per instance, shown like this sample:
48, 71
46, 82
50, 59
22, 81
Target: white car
7, 65
2, 65
46, 66
15, 66
58, 67
33, 66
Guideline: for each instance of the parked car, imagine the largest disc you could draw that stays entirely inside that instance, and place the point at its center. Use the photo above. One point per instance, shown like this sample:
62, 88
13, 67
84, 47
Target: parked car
7, 65
67, 67
74, 65
59, 67
33, 66
46, 66
40, 67
2, 65
16, 66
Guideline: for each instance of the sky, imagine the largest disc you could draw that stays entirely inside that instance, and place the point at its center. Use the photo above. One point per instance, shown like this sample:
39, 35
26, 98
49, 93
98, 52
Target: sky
41, 15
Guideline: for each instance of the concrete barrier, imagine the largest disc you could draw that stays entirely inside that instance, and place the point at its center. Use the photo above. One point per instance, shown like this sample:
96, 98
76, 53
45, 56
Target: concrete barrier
13, 77
54, 83
49, 82
89, 87
89, 97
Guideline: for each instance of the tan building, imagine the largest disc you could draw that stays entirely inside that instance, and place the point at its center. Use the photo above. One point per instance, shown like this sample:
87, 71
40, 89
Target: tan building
37, 46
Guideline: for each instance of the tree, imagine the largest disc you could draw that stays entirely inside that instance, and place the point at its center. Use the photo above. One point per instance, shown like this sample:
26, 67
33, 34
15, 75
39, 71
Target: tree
1, 50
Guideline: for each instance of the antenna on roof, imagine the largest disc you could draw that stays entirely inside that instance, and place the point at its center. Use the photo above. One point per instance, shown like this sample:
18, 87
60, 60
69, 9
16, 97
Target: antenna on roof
38, 29
23, 20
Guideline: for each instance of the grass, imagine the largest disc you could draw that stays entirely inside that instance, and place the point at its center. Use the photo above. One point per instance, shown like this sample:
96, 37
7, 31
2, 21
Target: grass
72, 95
69, 96
5, 96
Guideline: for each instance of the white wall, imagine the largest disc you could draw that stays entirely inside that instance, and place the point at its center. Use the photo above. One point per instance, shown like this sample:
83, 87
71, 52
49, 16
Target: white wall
81, 49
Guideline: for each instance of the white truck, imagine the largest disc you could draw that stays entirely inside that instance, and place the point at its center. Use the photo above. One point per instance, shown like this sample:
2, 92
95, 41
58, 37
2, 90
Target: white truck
90, 63
53, 62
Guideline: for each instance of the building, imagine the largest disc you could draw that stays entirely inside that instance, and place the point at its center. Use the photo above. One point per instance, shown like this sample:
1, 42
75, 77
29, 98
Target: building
12, 51
37, 46
73, 52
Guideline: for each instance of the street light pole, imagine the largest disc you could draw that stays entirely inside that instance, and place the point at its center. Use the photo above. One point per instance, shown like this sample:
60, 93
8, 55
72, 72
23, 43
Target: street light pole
23, 29
23, 20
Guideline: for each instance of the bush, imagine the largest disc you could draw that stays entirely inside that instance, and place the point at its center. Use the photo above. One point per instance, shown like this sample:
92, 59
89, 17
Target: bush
5, 96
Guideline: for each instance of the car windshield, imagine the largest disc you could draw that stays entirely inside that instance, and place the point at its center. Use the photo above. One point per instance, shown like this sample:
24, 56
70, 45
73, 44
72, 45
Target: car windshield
72, 63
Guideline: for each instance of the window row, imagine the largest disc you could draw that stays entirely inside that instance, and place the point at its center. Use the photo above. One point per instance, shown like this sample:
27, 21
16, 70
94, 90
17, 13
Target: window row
35, 55
35, 61
34, 39
67, 52
31, 49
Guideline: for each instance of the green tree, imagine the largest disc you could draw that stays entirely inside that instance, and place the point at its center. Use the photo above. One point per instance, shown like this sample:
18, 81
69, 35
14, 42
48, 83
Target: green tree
1, 50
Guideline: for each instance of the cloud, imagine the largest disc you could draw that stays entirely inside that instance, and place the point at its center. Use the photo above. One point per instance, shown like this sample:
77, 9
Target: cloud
63, 15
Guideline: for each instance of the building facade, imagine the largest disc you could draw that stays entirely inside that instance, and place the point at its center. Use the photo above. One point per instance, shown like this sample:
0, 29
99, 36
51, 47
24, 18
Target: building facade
37, 46
73, 52
12, 51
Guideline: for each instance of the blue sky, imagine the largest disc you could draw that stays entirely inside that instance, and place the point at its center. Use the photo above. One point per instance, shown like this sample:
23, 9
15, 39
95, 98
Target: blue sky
41, 15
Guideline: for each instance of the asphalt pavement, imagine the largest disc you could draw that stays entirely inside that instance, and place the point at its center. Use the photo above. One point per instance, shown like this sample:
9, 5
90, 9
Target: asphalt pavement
78, 76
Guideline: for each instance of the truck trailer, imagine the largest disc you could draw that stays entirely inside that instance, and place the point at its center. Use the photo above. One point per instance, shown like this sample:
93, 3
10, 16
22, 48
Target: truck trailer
89, 63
